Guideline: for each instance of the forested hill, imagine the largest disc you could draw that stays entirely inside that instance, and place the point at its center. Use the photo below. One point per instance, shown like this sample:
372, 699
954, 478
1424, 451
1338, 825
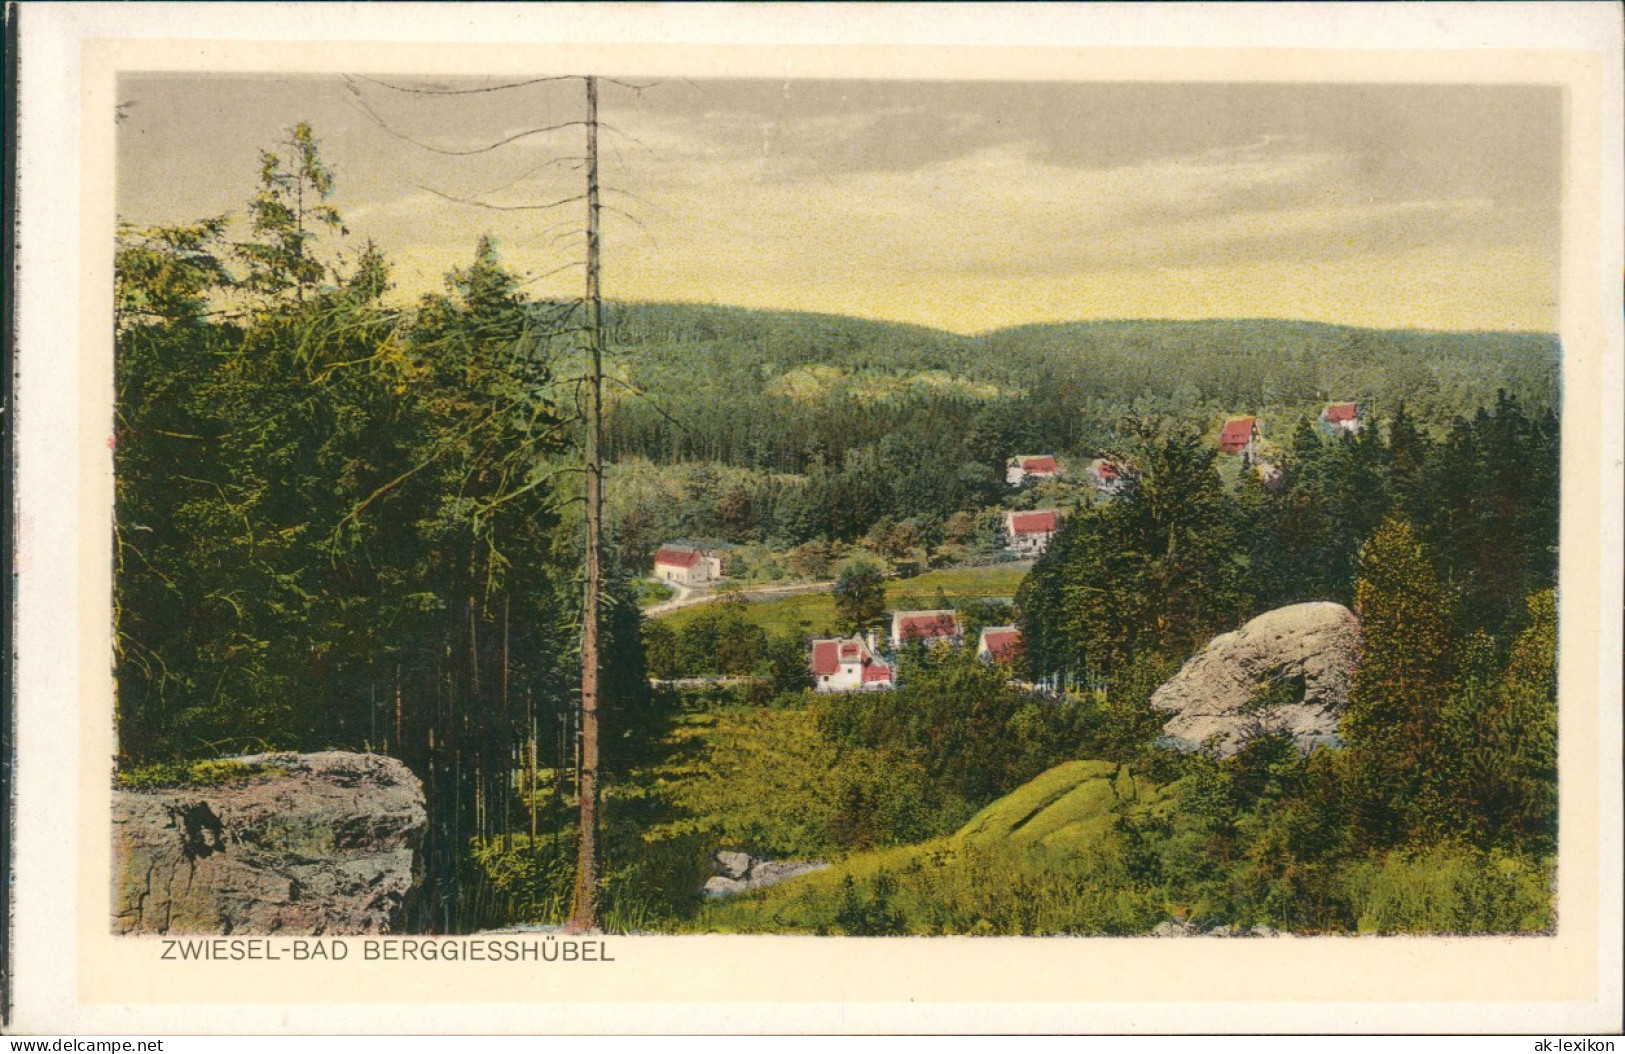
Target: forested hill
722, 383
1263, 362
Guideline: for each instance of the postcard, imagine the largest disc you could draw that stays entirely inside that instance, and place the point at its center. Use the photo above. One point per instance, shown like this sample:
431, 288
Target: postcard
560, 518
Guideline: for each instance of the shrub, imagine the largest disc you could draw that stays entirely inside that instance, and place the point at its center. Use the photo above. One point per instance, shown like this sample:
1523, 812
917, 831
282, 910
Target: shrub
1451, 889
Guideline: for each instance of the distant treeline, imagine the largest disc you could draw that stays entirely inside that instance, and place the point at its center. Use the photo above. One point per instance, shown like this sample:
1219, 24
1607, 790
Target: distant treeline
843, 422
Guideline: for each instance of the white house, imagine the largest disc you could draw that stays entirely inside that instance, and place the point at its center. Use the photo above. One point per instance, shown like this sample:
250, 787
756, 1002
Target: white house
928, 626
1018, 470
1342, 418
686, 567
848, 664
1107, 476
1000, 644
1028, 533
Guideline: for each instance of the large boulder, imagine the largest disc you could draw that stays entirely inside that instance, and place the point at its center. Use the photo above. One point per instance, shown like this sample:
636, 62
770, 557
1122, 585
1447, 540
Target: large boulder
1287, 670
320, 843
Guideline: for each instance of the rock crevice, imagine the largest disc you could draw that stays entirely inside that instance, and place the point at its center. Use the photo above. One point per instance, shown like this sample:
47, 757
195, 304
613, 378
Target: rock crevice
1287, 671
321, 843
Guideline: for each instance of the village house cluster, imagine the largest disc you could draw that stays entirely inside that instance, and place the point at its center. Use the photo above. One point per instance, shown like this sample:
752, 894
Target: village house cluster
860, 663
867, 662
1242, 435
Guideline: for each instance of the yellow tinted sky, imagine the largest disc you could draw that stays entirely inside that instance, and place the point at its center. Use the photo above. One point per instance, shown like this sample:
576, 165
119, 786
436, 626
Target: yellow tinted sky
962, 206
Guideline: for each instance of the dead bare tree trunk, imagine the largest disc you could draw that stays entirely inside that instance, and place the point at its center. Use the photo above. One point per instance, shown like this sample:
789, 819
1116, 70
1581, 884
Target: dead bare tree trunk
584, 905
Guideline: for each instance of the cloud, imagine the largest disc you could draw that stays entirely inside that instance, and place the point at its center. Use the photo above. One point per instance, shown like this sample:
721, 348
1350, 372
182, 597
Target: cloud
958, 204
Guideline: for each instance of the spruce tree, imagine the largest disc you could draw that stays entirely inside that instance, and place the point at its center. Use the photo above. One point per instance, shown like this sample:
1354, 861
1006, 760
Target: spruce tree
1401, 684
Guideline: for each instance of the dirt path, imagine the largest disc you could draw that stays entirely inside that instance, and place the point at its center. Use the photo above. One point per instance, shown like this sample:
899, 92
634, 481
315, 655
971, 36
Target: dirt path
689, 597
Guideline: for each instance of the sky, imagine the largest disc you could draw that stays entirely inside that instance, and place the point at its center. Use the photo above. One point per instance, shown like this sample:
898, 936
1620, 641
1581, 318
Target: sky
966, 206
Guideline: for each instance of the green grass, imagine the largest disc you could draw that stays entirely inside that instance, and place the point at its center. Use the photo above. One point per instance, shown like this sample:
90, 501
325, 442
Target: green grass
954, 583
1069, 807
1042, 859
814, 613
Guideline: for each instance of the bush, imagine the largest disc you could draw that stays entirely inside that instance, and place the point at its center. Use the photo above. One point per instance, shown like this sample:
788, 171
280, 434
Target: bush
1451, 889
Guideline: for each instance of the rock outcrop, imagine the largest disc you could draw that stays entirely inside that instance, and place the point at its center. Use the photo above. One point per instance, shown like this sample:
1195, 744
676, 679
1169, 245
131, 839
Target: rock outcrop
737, 872
320, 843
1287, 670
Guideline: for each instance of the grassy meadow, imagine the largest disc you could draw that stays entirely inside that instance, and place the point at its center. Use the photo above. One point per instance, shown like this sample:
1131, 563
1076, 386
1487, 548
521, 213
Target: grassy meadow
814, 613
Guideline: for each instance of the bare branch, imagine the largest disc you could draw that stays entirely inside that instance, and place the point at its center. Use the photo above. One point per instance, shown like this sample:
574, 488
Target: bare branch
372, 115
639, 198
548, 274
469, 91
577, 163
623, 135
499, 208
639, 393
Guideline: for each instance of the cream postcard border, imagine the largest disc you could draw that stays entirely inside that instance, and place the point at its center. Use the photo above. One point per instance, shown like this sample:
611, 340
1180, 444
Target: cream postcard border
73, 976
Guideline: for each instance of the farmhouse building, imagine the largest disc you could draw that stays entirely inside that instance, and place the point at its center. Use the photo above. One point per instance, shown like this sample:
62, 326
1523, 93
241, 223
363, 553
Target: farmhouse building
848, 664
1238, 435
1018, 470
930, 627
1342, 418
1028, 533
1000, 644
686, 567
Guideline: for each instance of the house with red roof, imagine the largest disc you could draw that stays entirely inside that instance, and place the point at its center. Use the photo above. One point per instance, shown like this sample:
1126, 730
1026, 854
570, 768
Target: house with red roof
1018, 470
931, 627
849, 664
1342, 418
1001, 644
1238, 435
1028, 533
1107, 476
686, 567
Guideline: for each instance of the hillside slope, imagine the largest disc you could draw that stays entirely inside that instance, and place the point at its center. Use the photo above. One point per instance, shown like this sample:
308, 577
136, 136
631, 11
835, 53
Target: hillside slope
1042, 859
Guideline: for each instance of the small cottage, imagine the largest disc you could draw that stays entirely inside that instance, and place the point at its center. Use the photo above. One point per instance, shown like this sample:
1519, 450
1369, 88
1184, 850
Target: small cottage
1342, 418
849, 664
1000, 644
1107, 476
1019, 470
931, 627
1028, 533
1239, 435
686, 567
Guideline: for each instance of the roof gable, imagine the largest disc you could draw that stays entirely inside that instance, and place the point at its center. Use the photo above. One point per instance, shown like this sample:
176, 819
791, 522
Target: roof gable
1237, 430
677, 557
1002, 642
925, 625
1040, 522
825, 657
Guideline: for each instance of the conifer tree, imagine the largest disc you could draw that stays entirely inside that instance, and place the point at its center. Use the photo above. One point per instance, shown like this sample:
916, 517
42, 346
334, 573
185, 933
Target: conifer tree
1401, 684
286, 216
